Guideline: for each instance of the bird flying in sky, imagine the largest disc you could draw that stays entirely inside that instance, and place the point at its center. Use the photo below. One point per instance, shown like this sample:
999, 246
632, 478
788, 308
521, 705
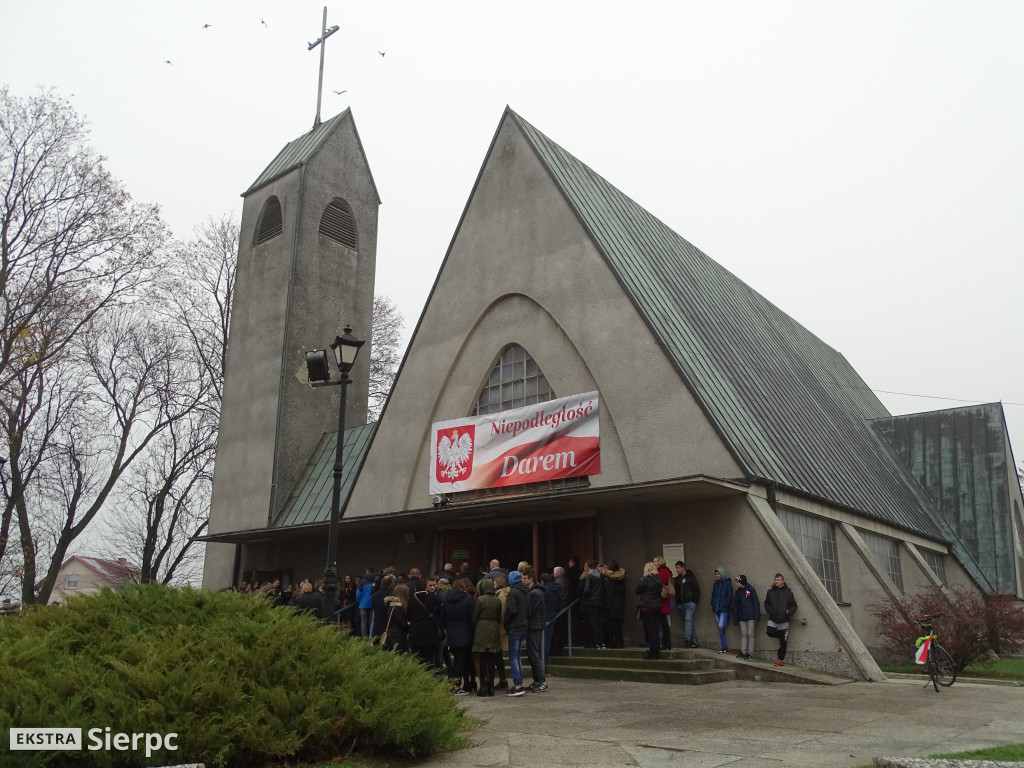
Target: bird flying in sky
381, 52
342, 91
207, 26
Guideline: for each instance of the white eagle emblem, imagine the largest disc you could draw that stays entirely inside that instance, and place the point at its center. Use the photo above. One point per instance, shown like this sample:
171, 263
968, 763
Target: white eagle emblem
452, 453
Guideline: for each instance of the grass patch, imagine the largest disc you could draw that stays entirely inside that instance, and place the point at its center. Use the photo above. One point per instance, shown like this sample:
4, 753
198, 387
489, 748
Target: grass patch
1004, 669
1007, 753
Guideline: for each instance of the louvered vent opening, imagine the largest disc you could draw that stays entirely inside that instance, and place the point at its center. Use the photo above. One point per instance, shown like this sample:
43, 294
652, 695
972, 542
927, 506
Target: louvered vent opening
338, 225
271, 222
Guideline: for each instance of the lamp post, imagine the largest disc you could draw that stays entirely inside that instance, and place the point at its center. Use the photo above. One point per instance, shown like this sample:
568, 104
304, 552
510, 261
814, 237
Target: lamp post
345, 348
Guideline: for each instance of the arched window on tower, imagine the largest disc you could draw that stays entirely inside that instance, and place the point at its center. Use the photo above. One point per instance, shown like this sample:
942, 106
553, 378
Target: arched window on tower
271, 221
338, 224
516, 380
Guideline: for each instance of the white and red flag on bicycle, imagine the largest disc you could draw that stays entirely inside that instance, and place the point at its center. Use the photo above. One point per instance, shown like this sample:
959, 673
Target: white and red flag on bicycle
922, 651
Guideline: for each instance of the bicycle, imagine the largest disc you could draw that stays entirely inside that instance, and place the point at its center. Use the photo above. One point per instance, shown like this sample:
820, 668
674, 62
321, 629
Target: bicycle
936, 659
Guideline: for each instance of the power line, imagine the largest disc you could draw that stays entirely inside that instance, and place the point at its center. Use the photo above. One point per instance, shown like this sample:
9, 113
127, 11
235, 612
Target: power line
937, 397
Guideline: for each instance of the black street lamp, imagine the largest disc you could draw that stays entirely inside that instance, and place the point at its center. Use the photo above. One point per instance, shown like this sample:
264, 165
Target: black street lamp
345, 348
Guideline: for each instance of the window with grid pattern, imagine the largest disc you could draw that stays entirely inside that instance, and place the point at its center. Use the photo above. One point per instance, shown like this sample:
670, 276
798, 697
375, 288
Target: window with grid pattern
816, 538
516, 380
936, 561
887, 553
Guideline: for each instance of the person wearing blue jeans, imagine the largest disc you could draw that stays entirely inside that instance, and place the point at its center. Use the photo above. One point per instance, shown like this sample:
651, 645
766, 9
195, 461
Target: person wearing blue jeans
517, 623
687, 597
721, 601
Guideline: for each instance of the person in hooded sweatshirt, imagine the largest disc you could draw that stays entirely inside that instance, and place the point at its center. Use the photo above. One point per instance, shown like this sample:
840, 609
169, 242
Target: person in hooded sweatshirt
486, 634
746, 611
721, 602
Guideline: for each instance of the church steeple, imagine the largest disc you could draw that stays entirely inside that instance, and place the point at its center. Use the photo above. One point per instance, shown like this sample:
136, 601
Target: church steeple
306, 262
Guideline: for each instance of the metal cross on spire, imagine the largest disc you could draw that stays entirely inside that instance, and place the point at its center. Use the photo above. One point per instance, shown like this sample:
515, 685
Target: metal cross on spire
322, 42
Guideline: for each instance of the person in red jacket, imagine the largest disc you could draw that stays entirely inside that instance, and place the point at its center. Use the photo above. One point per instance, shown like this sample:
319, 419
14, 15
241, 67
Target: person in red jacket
665, 621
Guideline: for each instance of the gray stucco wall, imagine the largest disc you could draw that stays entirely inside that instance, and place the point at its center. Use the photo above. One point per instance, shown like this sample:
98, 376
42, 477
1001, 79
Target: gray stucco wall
522, 270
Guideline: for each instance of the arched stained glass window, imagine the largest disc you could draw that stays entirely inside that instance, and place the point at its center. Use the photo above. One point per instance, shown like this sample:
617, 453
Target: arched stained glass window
516, 380
271, 221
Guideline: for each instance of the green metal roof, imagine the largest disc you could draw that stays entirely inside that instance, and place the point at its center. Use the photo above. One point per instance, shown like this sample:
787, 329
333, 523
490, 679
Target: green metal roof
311, 502
790, 408
300, 151
959, 457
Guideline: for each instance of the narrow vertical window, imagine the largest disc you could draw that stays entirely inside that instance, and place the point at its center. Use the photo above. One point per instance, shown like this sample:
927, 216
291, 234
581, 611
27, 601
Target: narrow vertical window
935, 561
816, 538
887, 555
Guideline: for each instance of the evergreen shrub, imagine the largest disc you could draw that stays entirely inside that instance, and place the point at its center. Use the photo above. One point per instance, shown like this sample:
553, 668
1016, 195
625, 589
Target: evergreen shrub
973, 626
242, 683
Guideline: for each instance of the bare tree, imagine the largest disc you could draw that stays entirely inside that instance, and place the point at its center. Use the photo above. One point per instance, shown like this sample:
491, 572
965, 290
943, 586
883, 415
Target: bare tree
73, 247
384, 353
167, 504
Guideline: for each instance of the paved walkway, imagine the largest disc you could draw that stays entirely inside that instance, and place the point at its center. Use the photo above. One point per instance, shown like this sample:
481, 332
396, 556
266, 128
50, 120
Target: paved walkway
738, 724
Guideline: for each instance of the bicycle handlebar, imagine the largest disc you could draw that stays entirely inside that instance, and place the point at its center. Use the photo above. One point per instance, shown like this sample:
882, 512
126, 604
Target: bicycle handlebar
927, 619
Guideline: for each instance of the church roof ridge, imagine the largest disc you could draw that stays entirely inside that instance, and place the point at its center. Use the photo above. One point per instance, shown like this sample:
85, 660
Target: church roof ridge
789, 407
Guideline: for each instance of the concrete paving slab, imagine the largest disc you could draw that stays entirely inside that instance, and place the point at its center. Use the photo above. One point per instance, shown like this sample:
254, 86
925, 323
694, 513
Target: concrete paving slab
738, 724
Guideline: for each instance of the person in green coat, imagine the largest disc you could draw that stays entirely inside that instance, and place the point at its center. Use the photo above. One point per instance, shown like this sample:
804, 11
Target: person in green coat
486, 634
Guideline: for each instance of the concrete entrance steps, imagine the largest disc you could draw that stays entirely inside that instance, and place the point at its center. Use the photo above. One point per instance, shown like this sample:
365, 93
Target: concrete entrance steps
677, 667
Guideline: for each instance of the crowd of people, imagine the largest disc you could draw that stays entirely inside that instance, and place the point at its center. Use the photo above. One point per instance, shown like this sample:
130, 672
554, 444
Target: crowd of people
462, 624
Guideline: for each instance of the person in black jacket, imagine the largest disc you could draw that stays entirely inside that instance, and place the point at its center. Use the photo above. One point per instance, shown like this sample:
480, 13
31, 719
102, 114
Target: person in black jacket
425, 623
649, 590
687, 597
779, 605
746, 611
457, 615
396, 625
535, 631
379, 609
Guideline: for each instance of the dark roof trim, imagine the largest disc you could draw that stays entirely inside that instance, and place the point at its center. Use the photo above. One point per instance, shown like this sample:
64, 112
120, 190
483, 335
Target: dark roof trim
458, 511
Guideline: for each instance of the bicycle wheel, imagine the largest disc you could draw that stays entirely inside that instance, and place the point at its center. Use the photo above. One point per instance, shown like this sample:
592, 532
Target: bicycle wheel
944, 668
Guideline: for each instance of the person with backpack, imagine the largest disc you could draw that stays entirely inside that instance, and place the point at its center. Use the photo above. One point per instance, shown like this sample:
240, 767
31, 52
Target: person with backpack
592, 593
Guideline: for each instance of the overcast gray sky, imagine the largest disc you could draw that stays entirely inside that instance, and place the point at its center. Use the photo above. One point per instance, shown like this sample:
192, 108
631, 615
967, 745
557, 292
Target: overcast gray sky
859, 164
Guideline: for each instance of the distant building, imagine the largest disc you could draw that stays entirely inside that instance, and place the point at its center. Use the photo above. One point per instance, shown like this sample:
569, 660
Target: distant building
82, 575
711, 422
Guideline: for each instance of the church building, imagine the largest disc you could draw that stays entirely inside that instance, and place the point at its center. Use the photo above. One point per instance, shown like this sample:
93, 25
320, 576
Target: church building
582, 382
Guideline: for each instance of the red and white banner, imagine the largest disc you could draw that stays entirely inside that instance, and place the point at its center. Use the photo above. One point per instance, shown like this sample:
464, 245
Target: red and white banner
921, 657
546, 441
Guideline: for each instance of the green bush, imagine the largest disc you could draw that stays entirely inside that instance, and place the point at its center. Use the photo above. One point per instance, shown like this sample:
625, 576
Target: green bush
240, 682
973, 626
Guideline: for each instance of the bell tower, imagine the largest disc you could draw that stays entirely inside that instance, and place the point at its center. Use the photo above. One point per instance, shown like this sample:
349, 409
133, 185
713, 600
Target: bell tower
306, 260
